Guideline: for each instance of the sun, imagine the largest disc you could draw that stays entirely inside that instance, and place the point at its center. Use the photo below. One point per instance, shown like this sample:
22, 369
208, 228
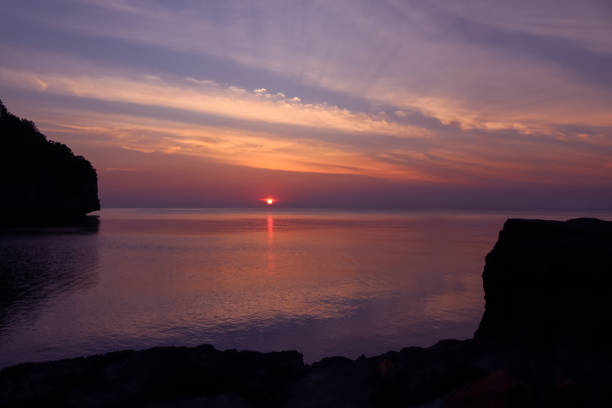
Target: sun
269, 200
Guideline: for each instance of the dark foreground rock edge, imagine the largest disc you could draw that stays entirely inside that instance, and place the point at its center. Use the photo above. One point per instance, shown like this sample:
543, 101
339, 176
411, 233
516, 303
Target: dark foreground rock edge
41, 181
537, 273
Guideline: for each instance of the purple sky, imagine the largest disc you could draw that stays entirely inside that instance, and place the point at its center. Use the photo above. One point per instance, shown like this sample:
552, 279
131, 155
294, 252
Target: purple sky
418, 104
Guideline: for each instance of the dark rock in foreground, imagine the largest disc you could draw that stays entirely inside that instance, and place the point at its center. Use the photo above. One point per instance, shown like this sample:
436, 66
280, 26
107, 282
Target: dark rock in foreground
153, 376
40, 179
452, 373
541, 343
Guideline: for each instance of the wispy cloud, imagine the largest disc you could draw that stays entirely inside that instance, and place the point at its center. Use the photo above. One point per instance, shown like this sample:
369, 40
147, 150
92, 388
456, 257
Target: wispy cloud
465, 158
470, 64
228, 145
209, 97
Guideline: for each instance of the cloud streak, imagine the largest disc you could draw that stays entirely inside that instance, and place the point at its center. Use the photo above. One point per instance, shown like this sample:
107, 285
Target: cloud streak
209, 97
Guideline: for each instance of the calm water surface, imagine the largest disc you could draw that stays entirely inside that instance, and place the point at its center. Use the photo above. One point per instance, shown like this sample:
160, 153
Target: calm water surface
322, 282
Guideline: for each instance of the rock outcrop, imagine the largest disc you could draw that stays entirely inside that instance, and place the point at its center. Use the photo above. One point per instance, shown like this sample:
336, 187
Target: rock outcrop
549, 282
542, 342
40, 178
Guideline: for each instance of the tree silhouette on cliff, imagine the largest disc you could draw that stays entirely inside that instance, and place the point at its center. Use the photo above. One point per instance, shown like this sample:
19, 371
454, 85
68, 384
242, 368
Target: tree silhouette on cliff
39, 177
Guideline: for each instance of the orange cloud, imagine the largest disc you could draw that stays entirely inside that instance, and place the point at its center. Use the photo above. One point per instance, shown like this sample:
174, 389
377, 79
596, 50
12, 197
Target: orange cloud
211, 98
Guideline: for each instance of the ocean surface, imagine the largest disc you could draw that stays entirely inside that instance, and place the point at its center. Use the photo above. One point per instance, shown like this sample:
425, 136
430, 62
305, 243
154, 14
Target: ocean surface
323, 282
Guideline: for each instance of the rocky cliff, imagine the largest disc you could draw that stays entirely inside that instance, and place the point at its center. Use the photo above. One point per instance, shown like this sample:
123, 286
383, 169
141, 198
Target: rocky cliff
549, 282
39, 177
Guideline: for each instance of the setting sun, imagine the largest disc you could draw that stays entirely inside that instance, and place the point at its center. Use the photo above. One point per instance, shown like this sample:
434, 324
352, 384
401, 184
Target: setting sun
269, 201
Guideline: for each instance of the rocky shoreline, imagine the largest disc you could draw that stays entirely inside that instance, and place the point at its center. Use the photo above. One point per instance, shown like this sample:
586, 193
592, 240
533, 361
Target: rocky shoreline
543, 341
452, 373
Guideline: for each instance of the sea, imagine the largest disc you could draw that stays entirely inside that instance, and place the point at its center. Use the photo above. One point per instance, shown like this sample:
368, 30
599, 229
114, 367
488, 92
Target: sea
323, 282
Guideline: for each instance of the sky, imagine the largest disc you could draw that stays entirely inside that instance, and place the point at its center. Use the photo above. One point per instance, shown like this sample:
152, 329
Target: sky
345, 103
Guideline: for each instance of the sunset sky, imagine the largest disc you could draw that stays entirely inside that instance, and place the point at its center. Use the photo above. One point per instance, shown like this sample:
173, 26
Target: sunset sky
416, 104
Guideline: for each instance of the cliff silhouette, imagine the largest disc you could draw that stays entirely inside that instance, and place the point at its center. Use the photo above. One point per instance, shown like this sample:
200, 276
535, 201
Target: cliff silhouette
543, 342
39, 178
548, 282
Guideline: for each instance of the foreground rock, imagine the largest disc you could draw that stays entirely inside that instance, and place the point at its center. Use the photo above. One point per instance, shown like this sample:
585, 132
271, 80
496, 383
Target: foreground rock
538, 272
450, 374
41, 179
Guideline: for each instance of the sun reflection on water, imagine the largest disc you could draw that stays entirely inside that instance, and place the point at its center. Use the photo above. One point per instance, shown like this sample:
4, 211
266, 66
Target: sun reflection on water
271, 266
